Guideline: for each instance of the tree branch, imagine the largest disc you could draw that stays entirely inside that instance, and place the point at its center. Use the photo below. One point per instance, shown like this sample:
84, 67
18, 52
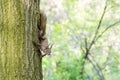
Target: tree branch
98, 27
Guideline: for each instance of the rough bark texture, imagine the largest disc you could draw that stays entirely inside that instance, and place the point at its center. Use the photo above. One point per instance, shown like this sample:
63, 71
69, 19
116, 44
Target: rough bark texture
18, 25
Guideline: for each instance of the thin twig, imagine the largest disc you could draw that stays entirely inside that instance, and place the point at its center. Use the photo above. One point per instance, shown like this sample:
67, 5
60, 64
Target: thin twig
97, 69
101, 77
107, 29
81, 47
86, 48
98, 27
97, 65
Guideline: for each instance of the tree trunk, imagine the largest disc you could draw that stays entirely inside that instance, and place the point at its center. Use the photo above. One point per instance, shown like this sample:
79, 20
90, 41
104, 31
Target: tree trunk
18, 28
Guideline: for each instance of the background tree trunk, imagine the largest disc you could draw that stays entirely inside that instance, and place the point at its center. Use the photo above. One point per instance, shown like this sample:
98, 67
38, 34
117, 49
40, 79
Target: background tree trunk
18, 25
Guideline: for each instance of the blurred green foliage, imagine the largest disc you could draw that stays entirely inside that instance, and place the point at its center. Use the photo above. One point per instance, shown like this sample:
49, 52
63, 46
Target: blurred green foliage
69, 22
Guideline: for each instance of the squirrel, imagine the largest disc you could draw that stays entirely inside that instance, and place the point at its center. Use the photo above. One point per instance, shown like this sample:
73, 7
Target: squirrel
42, 47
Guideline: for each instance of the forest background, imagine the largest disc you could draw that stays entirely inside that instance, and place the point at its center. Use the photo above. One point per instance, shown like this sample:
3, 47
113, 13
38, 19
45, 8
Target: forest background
71, 25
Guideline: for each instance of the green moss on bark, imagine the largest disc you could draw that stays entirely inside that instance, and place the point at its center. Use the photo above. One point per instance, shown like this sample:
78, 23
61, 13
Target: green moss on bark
11, 40
18, 28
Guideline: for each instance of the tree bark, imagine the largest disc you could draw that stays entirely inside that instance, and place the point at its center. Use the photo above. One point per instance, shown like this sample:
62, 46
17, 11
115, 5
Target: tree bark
18, 28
